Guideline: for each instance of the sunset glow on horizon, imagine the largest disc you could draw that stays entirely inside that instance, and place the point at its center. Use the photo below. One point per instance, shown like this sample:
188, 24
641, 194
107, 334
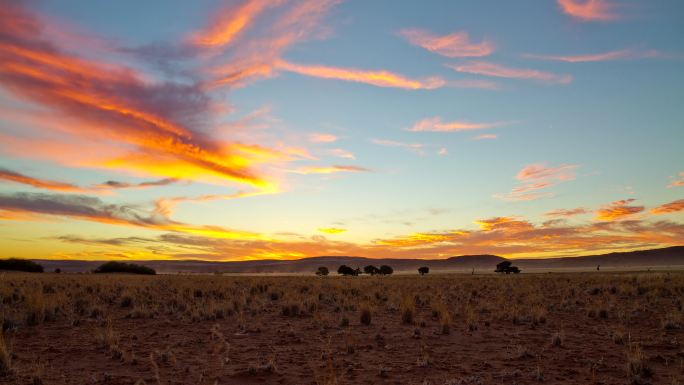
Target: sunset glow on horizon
256, 129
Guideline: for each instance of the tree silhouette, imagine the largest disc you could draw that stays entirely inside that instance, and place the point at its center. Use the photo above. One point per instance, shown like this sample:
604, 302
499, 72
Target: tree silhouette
322, 271
372, 270
386, 270
506, 267
423, 270
346, 270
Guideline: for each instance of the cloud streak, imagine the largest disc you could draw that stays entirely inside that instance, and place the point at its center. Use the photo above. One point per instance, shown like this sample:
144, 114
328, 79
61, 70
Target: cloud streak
618, 210
436, 124
453, 45
500, 71
624, 54
668, 208
589, 10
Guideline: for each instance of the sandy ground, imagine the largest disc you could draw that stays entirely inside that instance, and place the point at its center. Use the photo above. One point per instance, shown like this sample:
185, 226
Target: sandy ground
567, 346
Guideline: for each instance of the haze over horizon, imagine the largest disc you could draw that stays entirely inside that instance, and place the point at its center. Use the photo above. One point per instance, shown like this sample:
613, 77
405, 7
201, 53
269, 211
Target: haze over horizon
286, 129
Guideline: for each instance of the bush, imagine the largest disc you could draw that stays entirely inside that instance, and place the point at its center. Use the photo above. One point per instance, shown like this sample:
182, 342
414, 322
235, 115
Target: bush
423, 270
372, 270
506, 267
386, 270
346, 270
121, 267
322, 271
16, 264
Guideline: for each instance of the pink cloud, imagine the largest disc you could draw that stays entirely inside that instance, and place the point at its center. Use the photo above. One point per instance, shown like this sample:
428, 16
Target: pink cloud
436, 124
624, 54
322, 138
485, 137
589, 10
497, 70
455, 44
539, 171
667, 208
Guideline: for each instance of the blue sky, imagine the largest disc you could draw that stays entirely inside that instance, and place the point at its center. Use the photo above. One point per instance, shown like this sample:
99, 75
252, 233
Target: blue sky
386, 128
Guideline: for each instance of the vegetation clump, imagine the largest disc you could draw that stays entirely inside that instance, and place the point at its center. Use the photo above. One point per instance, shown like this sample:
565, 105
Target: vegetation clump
16, 264
322, 271
121, 267
506, 267
423, 270
386, 270
371, 270
346, 270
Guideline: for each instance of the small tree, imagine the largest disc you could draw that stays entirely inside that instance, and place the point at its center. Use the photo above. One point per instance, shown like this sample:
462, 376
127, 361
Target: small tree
506, 267
58, 270
372, 270
346, 270
122, 267
322, 271
423, 270
386, 270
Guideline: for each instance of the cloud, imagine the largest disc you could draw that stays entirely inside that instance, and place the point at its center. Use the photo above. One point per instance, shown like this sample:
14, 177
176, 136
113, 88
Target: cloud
624, 54
230, 22
455, 44
539, 171
566, 213
16, 177
322, 138
331, 230
115, 114
329, 169
436, 124
618, 210
415, 147
497, 70
340, 153
536, 177
45, 184
40, 205
667, 208
485, 136
678, 181
589, 10
380, 78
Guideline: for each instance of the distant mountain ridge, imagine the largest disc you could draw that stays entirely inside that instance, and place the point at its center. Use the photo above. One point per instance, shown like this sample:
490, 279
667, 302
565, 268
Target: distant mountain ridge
670, 256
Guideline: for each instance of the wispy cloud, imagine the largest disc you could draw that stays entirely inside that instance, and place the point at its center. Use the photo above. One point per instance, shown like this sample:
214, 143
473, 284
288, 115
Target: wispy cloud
537, 177
331, 230
328, 169
436, 124
678, 181
46, 184
230, 22
455, 44
624, 54
322, 138
618, 210
416, 147
485, 137
589, 10
667, 208
567, 212
379, 78
500, 71
93, 209
341, 153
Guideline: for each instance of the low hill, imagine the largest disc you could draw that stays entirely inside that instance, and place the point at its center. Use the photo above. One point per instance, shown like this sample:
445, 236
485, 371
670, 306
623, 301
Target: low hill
671, 256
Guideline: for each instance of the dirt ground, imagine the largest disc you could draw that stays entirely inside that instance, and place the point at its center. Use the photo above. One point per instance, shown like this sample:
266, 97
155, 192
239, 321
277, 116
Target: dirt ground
589, 328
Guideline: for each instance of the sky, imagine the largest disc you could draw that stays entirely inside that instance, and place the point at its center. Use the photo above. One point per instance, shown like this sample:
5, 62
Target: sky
284, 129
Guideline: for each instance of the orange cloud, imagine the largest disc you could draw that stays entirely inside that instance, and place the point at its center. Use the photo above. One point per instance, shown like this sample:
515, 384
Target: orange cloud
331, 230
322, 138
39, 183
589, 10
678, 182
376, 78
566, 213
538, 171
329, 170
456, 44
497, 70
437, 125
135, 124
667, 208
503, 223
618, 210
36, 206
624, 54
231, 22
